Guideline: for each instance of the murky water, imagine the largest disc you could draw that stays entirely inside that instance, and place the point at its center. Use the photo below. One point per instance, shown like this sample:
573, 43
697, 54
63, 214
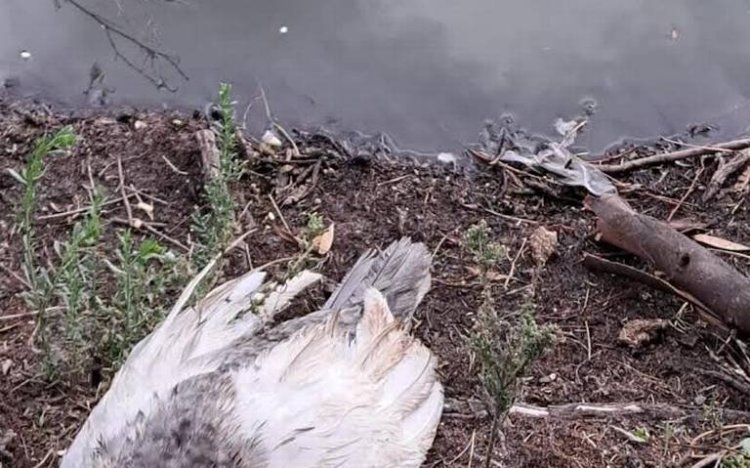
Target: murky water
428, 72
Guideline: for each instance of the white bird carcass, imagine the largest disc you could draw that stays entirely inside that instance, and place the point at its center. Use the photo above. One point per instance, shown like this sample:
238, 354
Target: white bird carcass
217, 385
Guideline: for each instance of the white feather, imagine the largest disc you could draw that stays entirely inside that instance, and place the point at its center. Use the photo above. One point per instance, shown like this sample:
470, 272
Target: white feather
318, 400
188, 343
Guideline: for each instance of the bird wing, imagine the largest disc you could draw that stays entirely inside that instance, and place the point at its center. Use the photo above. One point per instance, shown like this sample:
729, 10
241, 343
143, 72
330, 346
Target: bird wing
321, 399
189, 342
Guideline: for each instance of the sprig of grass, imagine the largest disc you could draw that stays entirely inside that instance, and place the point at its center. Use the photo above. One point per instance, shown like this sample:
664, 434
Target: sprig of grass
505, 345
144, 273
478, 242
213, 225
40, 285
29, 177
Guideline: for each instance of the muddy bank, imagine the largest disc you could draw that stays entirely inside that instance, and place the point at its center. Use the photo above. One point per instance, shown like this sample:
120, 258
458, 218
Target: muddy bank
371, 203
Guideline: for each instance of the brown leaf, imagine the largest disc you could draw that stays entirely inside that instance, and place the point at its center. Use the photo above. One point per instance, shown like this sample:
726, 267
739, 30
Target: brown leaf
543, 243
638, 332
719, 243
491, 275
322, 243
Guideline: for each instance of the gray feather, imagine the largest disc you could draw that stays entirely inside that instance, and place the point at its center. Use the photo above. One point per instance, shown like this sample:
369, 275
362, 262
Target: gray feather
401, 273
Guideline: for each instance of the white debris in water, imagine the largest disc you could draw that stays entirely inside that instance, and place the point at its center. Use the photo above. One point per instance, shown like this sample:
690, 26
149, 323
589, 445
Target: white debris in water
283, 30
139, 125
446, 158
25, 54
271, 139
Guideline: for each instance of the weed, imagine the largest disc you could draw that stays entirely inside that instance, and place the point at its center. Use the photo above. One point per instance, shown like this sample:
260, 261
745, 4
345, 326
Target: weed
74, 278
478, 242
735, 461
314, 227
641, 433
505, 345
505, 348
144, 273
29, 177
213, 225
40, 286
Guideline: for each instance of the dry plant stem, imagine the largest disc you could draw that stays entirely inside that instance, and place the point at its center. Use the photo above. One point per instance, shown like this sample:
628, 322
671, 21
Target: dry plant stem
673, 156
689, 192
686, 264
124, 194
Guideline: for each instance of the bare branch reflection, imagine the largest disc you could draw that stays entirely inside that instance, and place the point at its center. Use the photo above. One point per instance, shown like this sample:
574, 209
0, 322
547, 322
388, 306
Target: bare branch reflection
154, 59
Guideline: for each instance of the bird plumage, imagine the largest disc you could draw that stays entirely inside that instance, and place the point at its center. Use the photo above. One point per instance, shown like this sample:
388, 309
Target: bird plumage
216, 385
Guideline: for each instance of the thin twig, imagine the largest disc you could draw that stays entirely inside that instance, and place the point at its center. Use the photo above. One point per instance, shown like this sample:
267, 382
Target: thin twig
716, 149
689, 192
4, 318
173, 167
150, 228
600, 264
281, 216
16, 276
669, 157
81, 210
513, 264
124, 194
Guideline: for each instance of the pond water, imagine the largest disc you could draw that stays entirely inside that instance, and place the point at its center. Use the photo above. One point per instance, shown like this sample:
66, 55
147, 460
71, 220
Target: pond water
427, 72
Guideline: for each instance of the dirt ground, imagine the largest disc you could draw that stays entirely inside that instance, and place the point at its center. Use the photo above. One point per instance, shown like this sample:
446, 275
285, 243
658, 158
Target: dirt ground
373, 202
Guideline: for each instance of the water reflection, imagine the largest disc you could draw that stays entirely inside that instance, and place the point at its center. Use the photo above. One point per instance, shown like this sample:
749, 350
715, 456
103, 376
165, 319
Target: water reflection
428, 72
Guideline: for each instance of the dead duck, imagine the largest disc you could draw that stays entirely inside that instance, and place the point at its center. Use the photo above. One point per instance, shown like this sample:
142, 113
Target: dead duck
216, 385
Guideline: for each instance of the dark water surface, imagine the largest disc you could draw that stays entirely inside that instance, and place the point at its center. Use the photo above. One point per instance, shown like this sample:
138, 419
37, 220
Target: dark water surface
427, 72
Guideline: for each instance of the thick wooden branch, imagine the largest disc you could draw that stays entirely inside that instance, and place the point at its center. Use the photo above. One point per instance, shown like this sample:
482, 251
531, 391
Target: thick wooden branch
686, 264
210, 156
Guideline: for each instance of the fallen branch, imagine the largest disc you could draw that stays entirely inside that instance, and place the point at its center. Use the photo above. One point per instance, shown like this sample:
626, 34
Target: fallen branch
673, 156
686, 264
593, 410
210, 156
474, 409
594, 263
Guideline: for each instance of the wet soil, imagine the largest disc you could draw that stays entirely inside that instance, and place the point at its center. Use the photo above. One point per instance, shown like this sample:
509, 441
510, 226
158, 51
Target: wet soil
372, 202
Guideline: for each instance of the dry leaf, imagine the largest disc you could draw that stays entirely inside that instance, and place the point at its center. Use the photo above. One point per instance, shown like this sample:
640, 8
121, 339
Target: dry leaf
322, 243
491, 275
638, 332
543, 243
719, 243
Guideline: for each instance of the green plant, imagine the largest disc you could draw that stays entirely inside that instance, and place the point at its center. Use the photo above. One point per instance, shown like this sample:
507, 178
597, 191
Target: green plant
505, 345
29, 178
143, 274
212, 226
315, 226
74, 277
478, 242
40, 286
641, 433
735, 461
505, 348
